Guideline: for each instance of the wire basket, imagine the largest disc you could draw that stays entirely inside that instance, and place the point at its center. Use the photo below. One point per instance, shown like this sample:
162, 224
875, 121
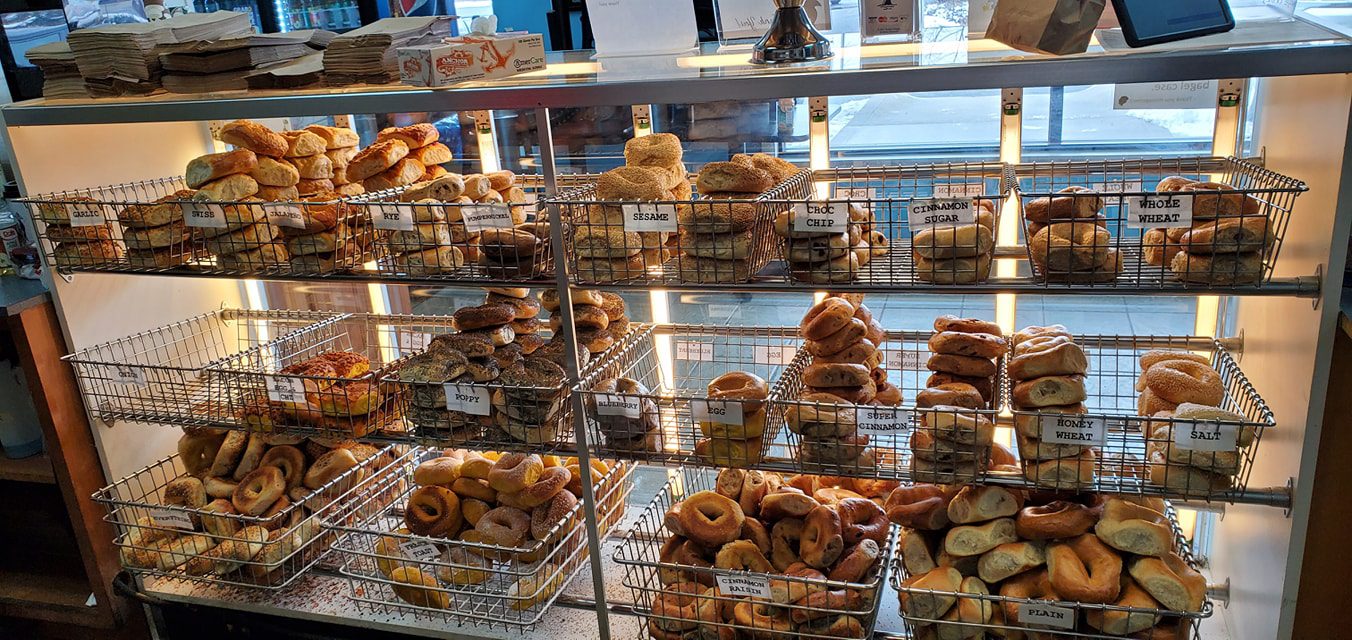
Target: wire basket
480, 583
649, 577
1169, 624
670, 242
163, 375
155, 226
153, 537
1148, 455
676, 421
1129, 229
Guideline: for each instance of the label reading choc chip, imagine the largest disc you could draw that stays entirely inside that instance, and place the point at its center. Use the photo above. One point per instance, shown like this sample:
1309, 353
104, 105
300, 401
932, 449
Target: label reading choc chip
821, 217
774, 354
204, 215
945, 211
286, 389
882, 420
610, 404
1206, 436
284, 215
123, 374
901, 360
1046, 615
753, 586
649, 217
481, 217
686, 350
86, 214
421, 551
171, 519
720, 411
1074, 429
1163, 211
467, 398
959, 190
392, 217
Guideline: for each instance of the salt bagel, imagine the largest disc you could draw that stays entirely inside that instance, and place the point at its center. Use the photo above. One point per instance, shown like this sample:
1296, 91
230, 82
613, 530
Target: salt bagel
1180, 381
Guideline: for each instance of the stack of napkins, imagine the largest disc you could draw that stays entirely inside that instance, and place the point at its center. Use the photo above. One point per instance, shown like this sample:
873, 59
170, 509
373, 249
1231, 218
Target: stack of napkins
60, 75
302, 72
121, 57
369, 54
223, 65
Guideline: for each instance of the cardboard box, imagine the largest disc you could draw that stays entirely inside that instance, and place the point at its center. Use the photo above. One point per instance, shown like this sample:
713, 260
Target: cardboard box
471, 57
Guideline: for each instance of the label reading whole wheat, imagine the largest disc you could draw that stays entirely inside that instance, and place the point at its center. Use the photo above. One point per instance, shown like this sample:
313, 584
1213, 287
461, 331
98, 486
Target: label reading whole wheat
1162, 211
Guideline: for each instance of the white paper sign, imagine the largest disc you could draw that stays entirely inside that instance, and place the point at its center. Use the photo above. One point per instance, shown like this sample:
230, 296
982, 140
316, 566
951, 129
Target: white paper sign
204, 215
86, 214
739, 19
467, 398
940, 211
821, 217
392, 217
171, 519
1206, 436
1286, 8
612, 23
413, 341
1163, 211
611, 404
901, 360
887, 17
1046, 615
720, 411
284, 215
1120, 186
857, 193
286, 389
753, 586
686, 350
649, 217
481, 217
959, 190
1183, 94
421, 551
123, 374
881, 420
774, 354
1070, 428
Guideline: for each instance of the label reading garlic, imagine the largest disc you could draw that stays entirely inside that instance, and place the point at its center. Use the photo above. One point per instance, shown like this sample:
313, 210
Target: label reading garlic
467, 398
204, 215
882, 420
392, 217
481, 217
753, 586
171, 519
1206, 436
1069, 428
285, 389
1162, 211
940, 211
821, 217
611, 404
720, 411
1046, 615
649, 217
86, 214
284, 215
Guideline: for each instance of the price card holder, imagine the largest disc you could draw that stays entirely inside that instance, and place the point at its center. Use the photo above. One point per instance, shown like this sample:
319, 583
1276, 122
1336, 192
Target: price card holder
720, 411
128, 375
1046, 615
901, 360
774, 354
612, 404
481, 217
882, 420
649, 217
86, 214
391, 217
1071, 428
687, 350
420, 551
1206, 436
204, 215
821, 217
283, 214
1160, 211
940, 211
170, 519
285, 389
467, 398
753, 586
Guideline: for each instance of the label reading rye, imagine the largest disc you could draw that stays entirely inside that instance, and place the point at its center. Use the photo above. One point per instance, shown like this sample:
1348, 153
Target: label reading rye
774, 354
821, 217
753, 586
649, 217
86, 214
1162, 211
881, 420
930, 213
284, 215
467, 398
422, 551
123, 374
1206, 436
1072, 428
1046, 615
204, 215
481, 217
686, 350
171, 519
720, 411
392, 217
901, 360
285, 389
610, 404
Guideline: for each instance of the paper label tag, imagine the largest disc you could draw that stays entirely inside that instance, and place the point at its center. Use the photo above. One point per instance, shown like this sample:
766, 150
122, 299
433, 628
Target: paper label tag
887, 18
481, 217
1163, 211
284, 215
610, 404
753, 586
1120, 186
392, 217
171, 519
940, 211
856, 193
901, 360
413, 341
649, 217
421, 551
821, 217
286, 389
204, 215
467, 398
1046, 615
882, 420
1206, 436
1074, 429
720, 411
1183, 94
686, 350
774, 354
960, 190
86, 214
123, 374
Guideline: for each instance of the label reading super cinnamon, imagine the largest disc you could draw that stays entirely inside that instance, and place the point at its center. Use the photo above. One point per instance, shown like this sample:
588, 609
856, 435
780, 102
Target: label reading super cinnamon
1206, 436
86, 214
204, 215
467, 398
649, 217
612, 404
1072, 428
1161, 211
720, 411
821, 217
940, 211
901, 360
481, 217
881, 420
284, 215
1046, 615
753, 586
392, 217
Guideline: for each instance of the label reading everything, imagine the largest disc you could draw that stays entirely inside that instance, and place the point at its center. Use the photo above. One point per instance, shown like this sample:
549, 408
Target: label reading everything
467, 398
686, 350
821, 217
392, 217
940, 211
882, 420
1074, 429
901, 360
1206, 436
481, 217
1046, 615
86, 214
171, 519
422, 551
285, 215
720, 411
123, 374
649, 217
286, 389
1163, 211
753, 586
610, 404
204, 215
774, 354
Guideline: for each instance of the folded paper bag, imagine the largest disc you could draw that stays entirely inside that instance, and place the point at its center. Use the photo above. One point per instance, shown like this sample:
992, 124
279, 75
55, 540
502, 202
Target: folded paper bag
1056, 27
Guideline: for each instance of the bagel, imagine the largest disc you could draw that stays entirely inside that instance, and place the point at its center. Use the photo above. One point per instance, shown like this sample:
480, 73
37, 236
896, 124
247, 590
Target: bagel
1180, 381
969, 366
1010, 559
975, 503
1084, 569
953, 394
1217, 200
735, 177
1218, 269
851, 333
1062, 473
711, 519
953, 241
862, 519
514, 472
980, 345
1069, 246
748, 388
921, 506
930, 595
822, 541
1133, 528
433, 511
1122, 620
826, 318
255, 137
1171, 581
258, 490
974, 540
1228, 235
1055, 520
1049, 391
505, 526
1047, 356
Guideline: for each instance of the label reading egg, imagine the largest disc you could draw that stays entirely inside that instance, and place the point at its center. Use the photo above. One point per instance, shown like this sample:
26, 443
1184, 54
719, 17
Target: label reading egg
821, 217
467, 398
721, 411
774, 354
649, 217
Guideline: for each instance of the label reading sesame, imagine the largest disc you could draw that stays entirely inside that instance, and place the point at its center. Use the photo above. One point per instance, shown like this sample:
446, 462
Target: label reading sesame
286, 389
882, 420
86, 214
481, 217
1074, 429
1206, 436
204, 215
821, 217
392, 217
959, 190
284, 215
1046, 615
421, 551
1162, 211
647, 217
753, 586
940, 211
467, 398
720, 411
611, 404
171, 519
901, 360
774, 354
123, 374
687, 350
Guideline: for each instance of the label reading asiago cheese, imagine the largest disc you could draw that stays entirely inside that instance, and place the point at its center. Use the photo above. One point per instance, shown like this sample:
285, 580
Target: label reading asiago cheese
774, 354
649, 217
481, 217
123, 374
929, 213
171, 519
467, 398
901, 360
86, 214
392, 217
1161, 211
720, 411
1206, 436
204, 215
421, 551
882, 420
753, 586
821, 217
612, 404
286, 389
1072, 428
687, 350
1046, 615
282, 214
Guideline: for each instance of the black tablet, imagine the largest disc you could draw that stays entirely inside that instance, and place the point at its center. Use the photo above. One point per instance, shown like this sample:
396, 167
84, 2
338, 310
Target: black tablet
1147, 22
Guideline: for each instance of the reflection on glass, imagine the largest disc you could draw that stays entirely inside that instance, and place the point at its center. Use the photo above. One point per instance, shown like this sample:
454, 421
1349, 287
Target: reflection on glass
83, 14
1084, 120
27, 29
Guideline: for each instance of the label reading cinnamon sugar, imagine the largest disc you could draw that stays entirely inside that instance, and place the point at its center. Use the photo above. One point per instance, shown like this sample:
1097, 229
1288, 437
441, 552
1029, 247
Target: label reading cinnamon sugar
1046, 615
285, 389
481, 217
204, 215
720, 411
86, 214
467, 398
421, 551
284, 215
1161, 211
649, 217
753, 586
1070, 428
959, 189
1206, 436
171, 519
611, 404
821, 217
392, 217
940, 211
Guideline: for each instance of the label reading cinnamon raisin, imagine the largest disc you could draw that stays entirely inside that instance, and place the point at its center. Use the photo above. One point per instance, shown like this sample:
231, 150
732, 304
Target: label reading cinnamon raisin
753, 586
649, 217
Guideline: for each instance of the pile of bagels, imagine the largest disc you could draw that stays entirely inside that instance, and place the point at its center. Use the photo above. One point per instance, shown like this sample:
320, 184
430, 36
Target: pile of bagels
87, 245
721, 238
736, 439
1178, 388
823, 257
399, 157
1224, 244
1047, 372
956, 253
961, 545
343, 396
1068, 237
801, 530
954, 442
441, 241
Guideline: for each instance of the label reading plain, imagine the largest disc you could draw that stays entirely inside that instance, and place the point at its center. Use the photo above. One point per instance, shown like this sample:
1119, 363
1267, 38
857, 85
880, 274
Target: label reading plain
1046, 615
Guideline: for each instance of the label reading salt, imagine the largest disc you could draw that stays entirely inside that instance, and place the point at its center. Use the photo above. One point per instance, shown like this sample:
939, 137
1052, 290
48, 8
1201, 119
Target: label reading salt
649, 217
286, 389
467, 398
959, 190
481, 217
86, 214
774, 354
882, 420
901, 360
392, 217
1206, 436
686, 350
204, 215
285, 215
720, 411
610, 404
929, 213
1162, 211
1074, 429
128, 375
821, 217
1046, 615
171, 519
753, 586
422, 551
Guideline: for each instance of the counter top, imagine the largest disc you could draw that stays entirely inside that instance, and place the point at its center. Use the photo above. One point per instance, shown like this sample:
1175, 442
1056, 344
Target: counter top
18, 294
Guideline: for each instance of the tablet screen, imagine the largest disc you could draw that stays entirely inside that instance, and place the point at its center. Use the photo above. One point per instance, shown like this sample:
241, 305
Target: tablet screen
1161, 18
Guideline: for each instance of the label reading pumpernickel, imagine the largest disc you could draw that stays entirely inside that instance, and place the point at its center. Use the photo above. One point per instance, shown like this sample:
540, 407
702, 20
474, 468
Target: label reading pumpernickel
204, 214
124, 374
882, 420
1206, 436
1162, 211
1046, 615
282, 214
720, 411
467, 398
286, 389
1069, 428
420, 551
753, 586
171, 519
86, 214
774, 354
649, 217
612, 404
940, 211
687, 350
821, 217
481, 217
901, 360
392, 217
